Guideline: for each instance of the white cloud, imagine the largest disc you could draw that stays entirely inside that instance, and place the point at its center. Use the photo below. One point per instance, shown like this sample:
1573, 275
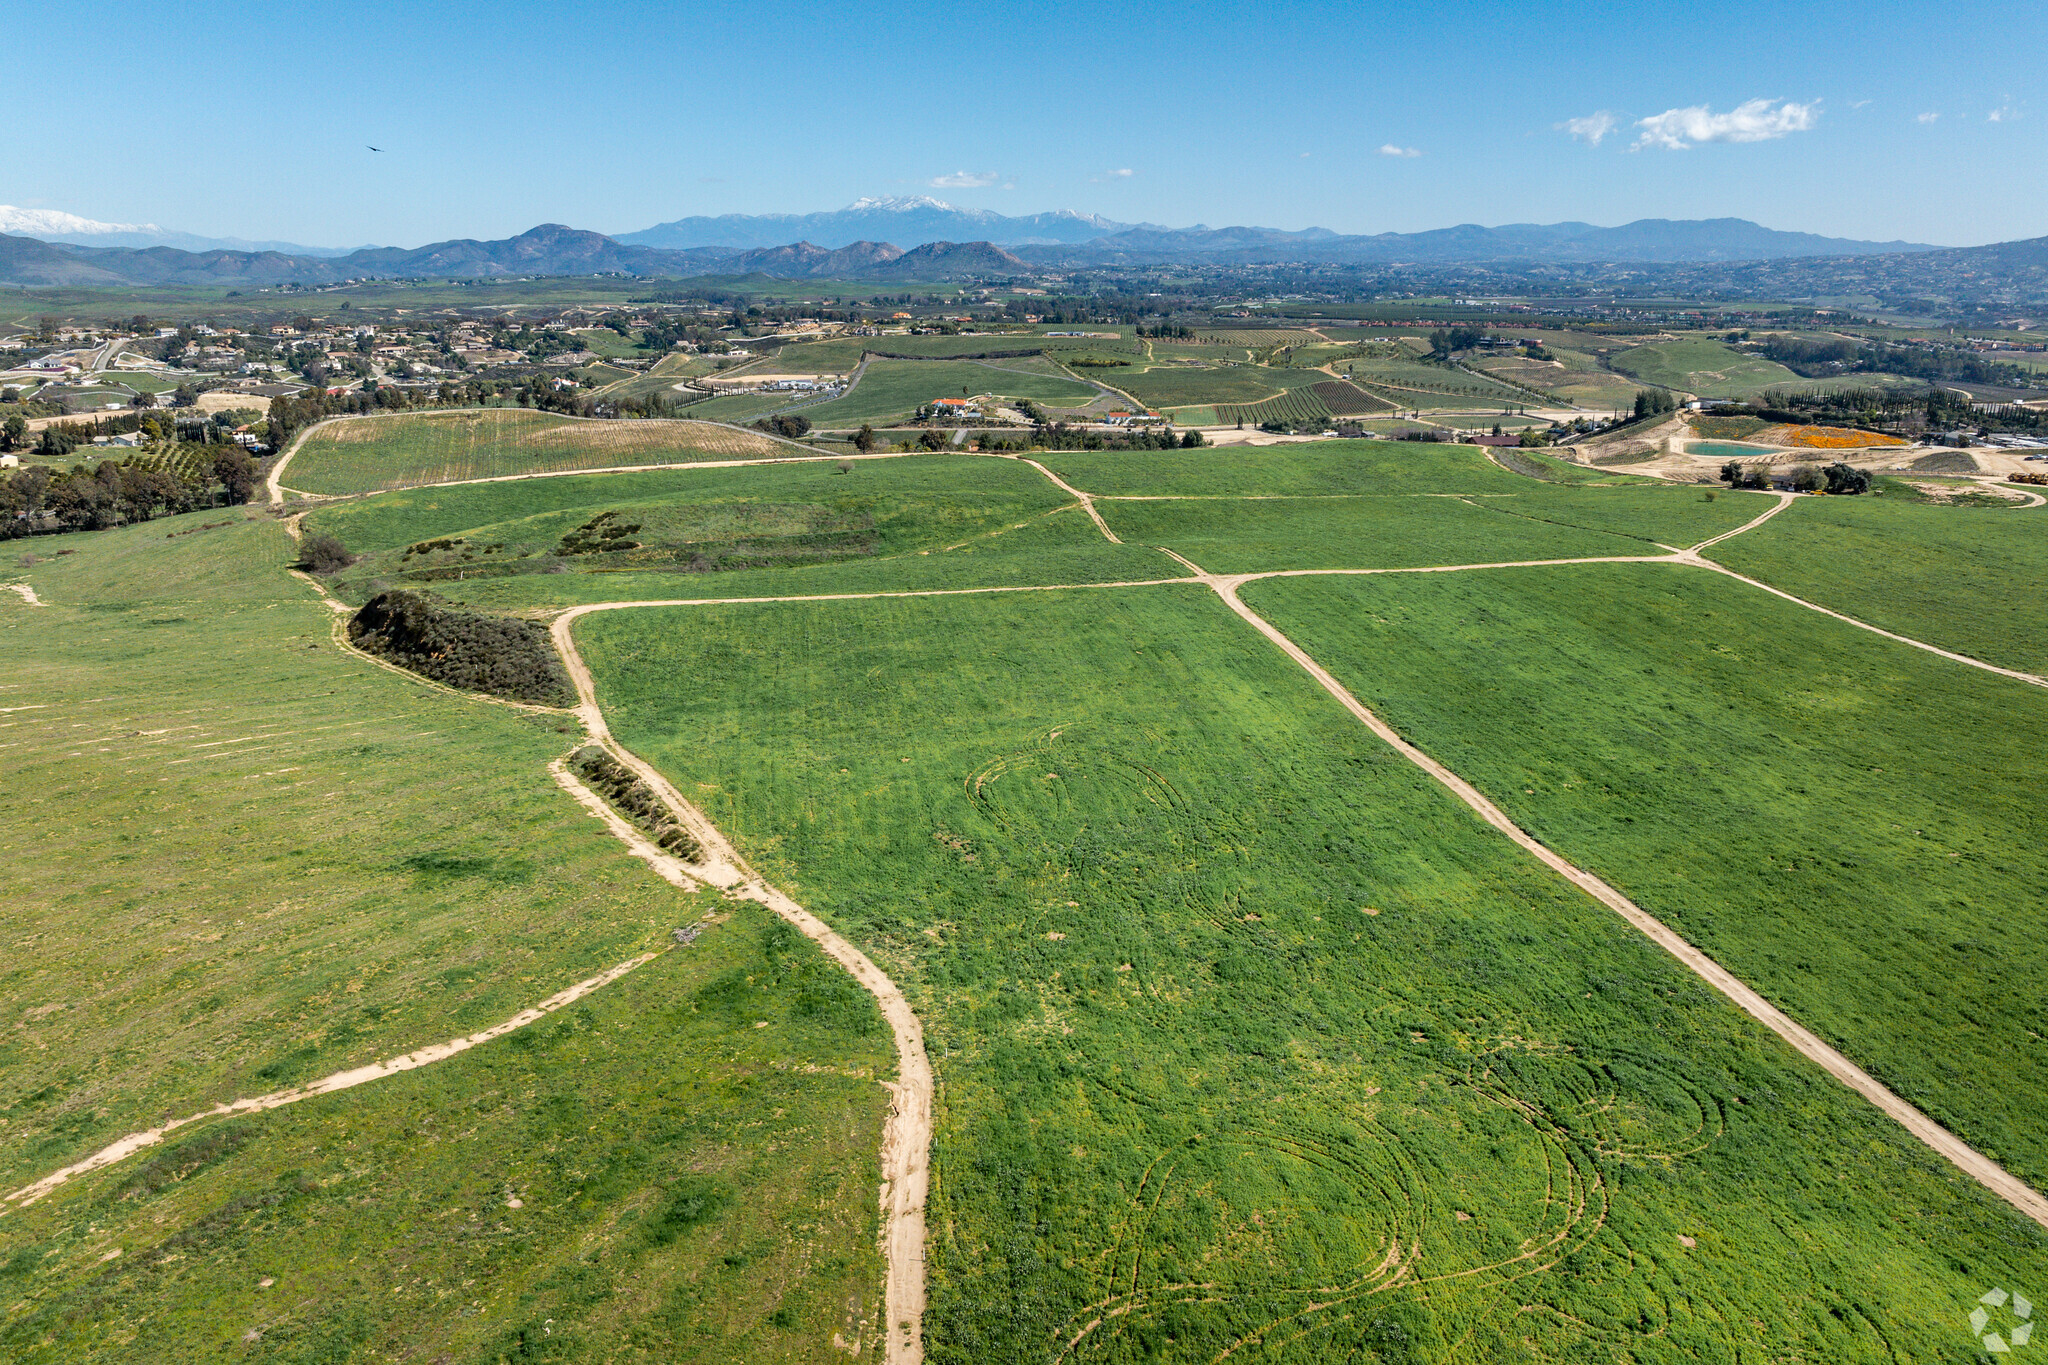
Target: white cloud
1591, 128
1929, 117
1124, 173
1389, 149
1750, 121
2005, 113
963, 180
1858, 104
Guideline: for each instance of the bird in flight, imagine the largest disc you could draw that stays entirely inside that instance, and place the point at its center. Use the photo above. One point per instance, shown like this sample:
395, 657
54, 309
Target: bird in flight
374, 149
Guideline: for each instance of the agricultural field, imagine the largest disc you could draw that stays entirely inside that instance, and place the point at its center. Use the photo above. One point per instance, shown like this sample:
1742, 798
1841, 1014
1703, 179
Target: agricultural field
1850, 843
362, 454
838, 355
894, 389
1175, 385
1345, 399
1261, 338
1300, 407
1252, 1041
1259, 1041
1412, 384
1906, 565
744, 407
603, 341
250, 860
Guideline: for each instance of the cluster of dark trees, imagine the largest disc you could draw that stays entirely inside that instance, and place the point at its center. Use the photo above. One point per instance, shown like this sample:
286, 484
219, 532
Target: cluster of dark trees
1831, 356
792, 425
1167, 331
36, 500
1838, 478
290, 413
1654, 403
1897, 411
1445, 340
501, 655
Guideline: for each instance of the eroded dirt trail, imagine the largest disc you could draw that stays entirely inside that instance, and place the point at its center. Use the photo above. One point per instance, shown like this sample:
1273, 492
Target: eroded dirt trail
1965, 1158
340, 1080
907, 1136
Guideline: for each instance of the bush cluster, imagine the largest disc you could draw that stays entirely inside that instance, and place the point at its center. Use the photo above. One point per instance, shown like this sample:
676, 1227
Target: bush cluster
36, 501
634, 799
601, 533
495, 654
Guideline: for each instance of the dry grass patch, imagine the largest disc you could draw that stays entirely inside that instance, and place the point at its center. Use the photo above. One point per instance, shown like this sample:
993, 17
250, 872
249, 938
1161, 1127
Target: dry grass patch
361, 455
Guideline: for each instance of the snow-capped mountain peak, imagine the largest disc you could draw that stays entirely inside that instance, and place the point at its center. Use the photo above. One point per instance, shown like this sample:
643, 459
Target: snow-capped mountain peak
54, 222
897, 203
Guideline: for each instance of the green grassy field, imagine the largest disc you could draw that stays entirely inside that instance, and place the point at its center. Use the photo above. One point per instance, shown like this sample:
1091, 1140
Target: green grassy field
1701, 365
1173, 385
892, 389
246, 860
1250, 1040
1966, 578
1235, 536
364, 454
1538, 521
1839, 820
605, 342
1063, 547
714, 518
1307, 467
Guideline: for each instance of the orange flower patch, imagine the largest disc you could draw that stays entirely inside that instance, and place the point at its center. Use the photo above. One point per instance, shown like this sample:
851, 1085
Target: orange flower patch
1827, 438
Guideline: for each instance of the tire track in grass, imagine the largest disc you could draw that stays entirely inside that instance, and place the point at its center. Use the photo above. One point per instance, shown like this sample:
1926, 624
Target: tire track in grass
907, 1135
1965, 1158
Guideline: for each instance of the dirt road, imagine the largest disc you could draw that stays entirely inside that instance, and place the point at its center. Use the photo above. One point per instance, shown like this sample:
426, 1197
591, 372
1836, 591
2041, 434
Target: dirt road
907, 1136
1967, 1159
340, 1080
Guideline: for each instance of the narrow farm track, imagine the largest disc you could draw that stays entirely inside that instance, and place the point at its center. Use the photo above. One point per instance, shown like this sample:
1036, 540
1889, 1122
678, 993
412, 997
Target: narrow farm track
907, 1134
1087, 500
907, 1137
341, 1080
1965, 1158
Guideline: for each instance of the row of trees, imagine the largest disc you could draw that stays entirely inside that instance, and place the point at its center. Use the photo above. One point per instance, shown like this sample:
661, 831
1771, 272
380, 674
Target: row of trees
164, 482
1838, 478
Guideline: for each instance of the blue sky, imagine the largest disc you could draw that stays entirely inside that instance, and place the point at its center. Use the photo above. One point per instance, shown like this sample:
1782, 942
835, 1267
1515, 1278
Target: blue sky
1920, 121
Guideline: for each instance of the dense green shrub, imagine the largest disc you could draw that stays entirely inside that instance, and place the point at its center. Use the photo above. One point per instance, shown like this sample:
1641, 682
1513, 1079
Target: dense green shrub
634, 799
324, 555
494, 654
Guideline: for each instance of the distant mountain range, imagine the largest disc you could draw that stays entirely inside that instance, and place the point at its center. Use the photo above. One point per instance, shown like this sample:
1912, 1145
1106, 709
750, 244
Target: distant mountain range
50, 225
1002, 246
916, 219
1085, 239
550, 249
